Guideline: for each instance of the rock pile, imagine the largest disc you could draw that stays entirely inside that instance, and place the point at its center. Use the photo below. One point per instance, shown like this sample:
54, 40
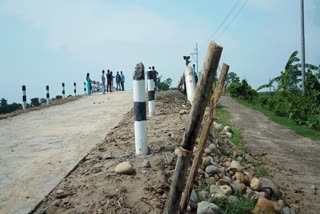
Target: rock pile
227, 176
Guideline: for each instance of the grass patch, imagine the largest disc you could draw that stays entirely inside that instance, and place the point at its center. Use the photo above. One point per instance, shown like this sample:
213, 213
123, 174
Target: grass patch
237, 139
239, 206
300, 130
261, 171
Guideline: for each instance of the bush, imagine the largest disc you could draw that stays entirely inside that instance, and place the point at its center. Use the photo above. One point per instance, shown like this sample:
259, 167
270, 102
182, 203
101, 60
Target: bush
35, 102
43, 101
164, 85
243, 91
58, 97
7, 108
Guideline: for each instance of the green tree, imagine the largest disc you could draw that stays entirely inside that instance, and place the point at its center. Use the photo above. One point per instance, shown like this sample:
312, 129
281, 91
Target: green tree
232, 78
164, 85
3, 102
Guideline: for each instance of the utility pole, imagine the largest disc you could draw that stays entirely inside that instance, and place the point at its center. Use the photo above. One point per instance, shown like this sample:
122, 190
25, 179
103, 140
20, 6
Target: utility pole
196, 54
302, 47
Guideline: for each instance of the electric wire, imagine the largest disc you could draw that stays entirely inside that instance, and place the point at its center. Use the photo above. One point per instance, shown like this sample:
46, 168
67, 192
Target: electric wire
226, 18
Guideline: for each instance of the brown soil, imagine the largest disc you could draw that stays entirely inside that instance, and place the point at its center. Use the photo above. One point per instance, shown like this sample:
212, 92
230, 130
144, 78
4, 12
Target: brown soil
292, 160
35, 108
94, 187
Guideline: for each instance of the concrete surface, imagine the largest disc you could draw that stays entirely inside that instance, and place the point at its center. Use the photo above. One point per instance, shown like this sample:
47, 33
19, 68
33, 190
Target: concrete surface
37, 149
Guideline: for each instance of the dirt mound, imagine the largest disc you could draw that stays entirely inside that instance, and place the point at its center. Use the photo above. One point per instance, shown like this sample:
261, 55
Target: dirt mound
94, 187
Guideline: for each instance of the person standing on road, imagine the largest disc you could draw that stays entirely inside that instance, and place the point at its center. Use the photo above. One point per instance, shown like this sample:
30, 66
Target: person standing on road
108, 81
103, 80
88, 81
111, 77
122, 79
118, 81
155, 77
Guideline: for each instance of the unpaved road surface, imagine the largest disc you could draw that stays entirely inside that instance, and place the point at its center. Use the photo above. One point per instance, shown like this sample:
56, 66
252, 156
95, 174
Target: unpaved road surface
37, 149
293, 161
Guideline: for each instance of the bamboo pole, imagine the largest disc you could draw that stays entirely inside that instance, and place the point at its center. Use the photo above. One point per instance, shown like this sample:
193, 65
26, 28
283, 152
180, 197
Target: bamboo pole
203, 138
193, 125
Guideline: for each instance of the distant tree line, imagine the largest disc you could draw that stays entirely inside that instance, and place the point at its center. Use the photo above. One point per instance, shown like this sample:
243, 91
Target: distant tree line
285, 97
7, 108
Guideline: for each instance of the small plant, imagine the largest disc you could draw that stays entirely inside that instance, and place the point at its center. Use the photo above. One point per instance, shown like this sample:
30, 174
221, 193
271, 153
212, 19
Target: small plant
261, 171
187, 104
239, 206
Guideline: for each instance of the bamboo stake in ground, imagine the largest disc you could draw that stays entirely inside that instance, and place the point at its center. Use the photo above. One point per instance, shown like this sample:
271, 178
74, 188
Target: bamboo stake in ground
203, 138
193, 125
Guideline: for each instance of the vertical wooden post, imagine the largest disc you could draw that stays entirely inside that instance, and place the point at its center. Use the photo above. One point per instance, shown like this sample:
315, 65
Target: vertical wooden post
203, 139
193, 125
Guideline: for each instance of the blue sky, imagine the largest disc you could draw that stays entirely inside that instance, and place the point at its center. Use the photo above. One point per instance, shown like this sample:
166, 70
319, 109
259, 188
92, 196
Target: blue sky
50, 42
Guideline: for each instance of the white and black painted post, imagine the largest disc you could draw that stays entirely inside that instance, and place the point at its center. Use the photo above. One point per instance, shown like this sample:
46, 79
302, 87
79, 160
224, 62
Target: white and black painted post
48, 95
140, 115
190, 83
63, 91
75, 88
24, 98
84, 88
151, 94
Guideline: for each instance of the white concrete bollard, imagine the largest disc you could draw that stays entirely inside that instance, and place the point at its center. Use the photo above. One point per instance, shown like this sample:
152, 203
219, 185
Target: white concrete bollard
75, 89
190, 83
48, 95
140, 115
63, 91
151, 94
24, 98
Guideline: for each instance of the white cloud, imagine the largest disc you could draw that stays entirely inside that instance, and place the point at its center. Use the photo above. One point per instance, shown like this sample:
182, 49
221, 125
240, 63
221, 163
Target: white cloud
84, 27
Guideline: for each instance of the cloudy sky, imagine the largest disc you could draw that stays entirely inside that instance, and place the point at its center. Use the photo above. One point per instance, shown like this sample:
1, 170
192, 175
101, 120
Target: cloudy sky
49, 42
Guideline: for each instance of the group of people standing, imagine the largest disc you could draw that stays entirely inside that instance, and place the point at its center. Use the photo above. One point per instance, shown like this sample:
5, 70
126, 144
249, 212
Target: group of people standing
109, 76
120, 79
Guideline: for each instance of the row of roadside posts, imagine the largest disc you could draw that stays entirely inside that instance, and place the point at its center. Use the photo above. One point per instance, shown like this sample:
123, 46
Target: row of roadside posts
24, 93
139, 99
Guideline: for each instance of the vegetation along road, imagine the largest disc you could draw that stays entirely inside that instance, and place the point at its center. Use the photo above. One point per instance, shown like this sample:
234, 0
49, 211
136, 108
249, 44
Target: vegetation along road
292, 160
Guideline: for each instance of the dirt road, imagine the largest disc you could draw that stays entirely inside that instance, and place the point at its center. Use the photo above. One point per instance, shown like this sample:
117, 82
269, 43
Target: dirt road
37, 149
292, 160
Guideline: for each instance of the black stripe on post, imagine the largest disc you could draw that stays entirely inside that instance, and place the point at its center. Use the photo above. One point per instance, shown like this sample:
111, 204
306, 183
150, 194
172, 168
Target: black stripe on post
74, 84
74, 91
24, 98
62, 84
150, 75
63, 92
151, 95
47, 95
140, 111
47, 87
23, 88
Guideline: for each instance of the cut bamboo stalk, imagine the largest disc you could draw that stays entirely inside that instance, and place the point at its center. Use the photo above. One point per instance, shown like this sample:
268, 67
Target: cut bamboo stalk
203, 138
193, 125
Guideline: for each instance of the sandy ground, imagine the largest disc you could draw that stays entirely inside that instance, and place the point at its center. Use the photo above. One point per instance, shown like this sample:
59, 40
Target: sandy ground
94, 187
292, 160
38, 148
